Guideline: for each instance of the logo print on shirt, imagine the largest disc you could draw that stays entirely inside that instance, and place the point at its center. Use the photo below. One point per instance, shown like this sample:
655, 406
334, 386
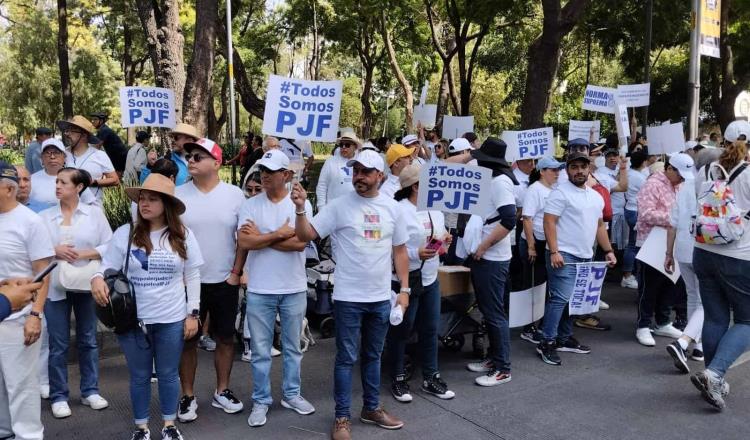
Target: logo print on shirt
142, 258
372, 228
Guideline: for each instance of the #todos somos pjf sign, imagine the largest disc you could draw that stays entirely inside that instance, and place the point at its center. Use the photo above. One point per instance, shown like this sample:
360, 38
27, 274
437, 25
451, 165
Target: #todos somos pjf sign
454, 188
147, 107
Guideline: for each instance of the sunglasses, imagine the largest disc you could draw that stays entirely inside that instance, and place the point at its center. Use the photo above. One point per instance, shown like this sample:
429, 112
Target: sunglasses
347, 145
196, 157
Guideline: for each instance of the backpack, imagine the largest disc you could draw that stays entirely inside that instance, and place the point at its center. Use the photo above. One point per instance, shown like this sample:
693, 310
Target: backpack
607, 211
719, 219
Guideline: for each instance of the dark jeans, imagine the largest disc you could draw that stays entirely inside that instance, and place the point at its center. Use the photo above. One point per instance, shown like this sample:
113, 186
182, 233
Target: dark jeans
354, 320
628, 264
725, 290
424, 312
489, 279
537, 270
656, 296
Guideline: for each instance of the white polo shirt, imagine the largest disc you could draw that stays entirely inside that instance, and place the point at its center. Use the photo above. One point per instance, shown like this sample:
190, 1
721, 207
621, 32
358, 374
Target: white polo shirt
96, 162
579, 210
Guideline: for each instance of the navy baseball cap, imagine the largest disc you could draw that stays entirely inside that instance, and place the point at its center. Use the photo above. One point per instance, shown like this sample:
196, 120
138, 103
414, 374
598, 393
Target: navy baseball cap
8, 171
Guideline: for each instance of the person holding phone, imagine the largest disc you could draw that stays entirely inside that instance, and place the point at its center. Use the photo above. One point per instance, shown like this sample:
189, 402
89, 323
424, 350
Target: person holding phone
15, 294
428, 239
164, 270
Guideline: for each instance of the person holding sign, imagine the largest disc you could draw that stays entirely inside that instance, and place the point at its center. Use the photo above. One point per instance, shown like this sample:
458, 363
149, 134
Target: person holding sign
369, 234
572, 224
335, 178
180, 135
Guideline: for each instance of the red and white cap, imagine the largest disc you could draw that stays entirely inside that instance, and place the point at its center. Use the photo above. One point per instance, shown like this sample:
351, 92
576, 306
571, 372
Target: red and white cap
274, 160
206, 145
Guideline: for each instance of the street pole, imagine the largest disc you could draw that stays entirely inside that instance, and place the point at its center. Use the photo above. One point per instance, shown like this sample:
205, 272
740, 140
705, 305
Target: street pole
647, 60
694, 74
230, 71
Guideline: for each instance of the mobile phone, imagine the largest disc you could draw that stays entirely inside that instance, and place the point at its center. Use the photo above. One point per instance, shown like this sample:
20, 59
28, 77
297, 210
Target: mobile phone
40, 276
434, 244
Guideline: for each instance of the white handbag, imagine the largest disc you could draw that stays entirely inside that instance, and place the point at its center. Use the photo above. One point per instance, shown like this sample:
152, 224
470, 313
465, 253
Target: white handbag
77, 278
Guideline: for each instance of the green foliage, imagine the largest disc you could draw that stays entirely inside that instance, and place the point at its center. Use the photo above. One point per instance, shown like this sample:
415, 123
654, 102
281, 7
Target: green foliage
116, 205
10, 156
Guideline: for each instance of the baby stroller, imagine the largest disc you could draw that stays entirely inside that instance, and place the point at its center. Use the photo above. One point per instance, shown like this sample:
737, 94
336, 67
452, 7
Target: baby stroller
320, 268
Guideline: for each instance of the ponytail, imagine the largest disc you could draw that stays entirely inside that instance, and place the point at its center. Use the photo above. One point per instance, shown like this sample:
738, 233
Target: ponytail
733, 154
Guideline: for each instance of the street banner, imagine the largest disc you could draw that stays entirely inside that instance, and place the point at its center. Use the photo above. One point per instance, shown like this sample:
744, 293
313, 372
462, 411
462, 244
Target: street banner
587, 289
655, 247
666, 139
710, 27
582, 130
622, 120
526, 306
302, 110
599, 99
529, 144
425, 114
147, 107
454, 188
634, 95
455, 126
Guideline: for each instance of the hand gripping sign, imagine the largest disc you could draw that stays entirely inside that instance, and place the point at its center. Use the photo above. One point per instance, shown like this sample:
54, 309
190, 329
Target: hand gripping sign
455, 188
147, 107
302, 110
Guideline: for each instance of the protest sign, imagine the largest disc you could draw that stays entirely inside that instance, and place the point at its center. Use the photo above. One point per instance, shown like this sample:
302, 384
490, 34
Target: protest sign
666, 139
599, 99
302, 110
455, 126
655, 248
634, 95
710, 27
423, 95
425, 115
622, 121
587, 288
529, 144
454, 188
582, 130
526, 306
147, 107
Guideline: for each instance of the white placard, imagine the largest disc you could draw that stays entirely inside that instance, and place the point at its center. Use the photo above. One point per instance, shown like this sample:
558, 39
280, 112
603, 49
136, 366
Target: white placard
526, 306
425, 114
455, 126
622, 120
454, 188
302, 110
599, 99
529, 144
666, 139
423, 96
634, 95
147, 107
582, 130
587, 289
654, 249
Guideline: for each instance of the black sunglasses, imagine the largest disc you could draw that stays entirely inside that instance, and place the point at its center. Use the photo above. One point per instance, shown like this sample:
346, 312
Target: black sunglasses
196, 157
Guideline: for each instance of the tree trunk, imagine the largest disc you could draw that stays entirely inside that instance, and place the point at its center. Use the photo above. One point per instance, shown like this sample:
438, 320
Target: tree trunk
544, 58
62, 57
366, 124
731, 85
314, 64
400, 77
215, 124
197, 98
252, 103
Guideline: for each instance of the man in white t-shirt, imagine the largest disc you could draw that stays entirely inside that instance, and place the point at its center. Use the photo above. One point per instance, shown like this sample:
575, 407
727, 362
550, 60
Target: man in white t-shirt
368, 234
25, 249
335, 178
277, 284
212, 210
572, 223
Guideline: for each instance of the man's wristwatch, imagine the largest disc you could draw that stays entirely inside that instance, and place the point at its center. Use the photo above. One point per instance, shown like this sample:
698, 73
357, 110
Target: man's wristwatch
38, 315
405, 290
195, 313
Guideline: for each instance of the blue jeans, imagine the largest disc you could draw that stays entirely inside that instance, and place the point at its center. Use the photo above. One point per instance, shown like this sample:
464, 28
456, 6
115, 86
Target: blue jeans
370, 321
558, 325
628, 263
424, 311
163, 352
489, 279
724, 288
261, 318
58, 328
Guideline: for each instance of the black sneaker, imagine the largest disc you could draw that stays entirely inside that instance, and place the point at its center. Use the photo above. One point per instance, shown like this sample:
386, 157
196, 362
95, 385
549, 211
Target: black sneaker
400, 389
171, 433
140, 434
188, 410
437, 387
572, 346
678, 356
680, 324
531, 334
697, 355
547, 350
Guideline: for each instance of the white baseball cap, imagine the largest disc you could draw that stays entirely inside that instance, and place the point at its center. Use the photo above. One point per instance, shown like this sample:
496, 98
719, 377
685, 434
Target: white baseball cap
52, 142
409, 139
735, 129
368, 159
274, 160
684, 164
459, 144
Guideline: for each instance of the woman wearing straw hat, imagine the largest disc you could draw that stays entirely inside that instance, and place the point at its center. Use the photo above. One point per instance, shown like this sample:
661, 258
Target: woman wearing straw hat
79, 133
164, 265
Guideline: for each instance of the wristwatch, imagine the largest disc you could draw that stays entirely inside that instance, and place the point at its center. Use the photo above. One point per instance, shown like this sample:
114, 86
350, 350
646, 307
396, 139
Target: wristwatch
195, 313
405, 290
36, 314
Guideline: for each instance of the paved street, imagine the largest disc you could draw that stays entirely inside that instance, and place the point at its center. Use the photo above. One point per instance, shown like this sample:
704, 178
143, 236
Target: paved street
622, 390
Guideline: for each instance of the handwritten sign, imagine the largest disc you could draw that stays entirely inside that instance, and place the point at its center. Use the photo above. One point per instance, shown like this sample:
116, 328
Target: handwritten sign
634, 95
147, 107
454, 188
587, 288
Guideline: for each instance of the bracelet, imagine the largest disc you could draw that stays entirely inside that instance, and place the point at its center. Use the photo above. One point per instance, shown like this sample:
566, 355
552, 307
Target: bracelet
303, 212
236, 272
553, 253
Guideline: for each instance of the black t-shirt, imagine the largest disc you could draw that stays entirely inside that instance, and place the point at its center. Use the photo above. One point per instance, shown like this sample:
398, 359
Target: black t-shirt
113, 146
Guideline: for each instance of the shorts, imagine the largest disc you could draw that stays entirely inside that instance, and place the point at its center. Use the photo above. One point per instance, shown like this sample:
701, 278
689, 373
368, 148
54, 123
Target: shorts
220, 301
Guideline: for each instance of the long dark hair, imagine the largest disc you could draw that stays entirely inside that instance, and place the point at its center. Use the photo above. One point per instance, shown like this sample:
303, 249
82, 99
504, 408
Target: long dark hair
175, 231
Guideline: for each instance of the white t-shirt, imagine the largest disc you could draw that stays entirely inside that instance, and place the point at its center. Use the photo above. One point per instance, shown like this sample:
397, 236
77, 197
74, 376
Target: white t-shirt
335, 180
681, 218
391, 185
158, 278
213, 218
43, 188
636, 179
363, 232
533, 206
419, 228
579, 211
617, 198
302, 150
88, 229
96, 162
268, 270
502, 194
519, 191
23, 240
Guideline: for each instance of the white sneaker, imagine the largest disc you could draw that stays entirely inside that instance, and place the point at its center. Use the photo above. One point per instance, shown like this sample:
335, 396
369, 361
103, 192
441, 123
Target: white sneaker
603, 305
629, 282
668, 330
187, 409
95, 401
644, 337
60, 410
44, 391
483, 366
227, 402
247, 356
492, 378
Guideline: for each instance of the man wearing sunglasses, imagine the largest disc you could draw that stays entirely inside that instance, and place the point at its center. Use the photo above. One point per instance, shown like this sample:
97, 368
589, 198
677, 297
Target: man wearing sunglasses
212, 214
336, 176
180, 135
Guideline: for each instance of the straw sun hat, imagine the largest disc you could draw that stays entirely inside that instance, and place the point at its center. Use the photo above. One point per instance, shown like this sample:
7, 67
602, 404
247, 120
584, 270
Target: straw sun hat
159, 184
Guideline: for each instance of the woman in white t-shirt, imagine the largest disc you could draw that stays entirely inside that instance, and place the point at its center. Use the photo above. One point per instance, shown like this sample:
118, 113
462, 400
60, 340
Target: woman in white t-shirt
80, 234
164, 263
427, 239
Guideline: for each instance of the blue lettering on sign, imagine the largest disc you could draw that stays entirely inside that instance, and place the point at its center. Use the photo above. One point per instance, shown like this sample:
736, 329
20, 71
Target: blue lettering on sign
434, 196
285, 118
592, 299
150, 117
